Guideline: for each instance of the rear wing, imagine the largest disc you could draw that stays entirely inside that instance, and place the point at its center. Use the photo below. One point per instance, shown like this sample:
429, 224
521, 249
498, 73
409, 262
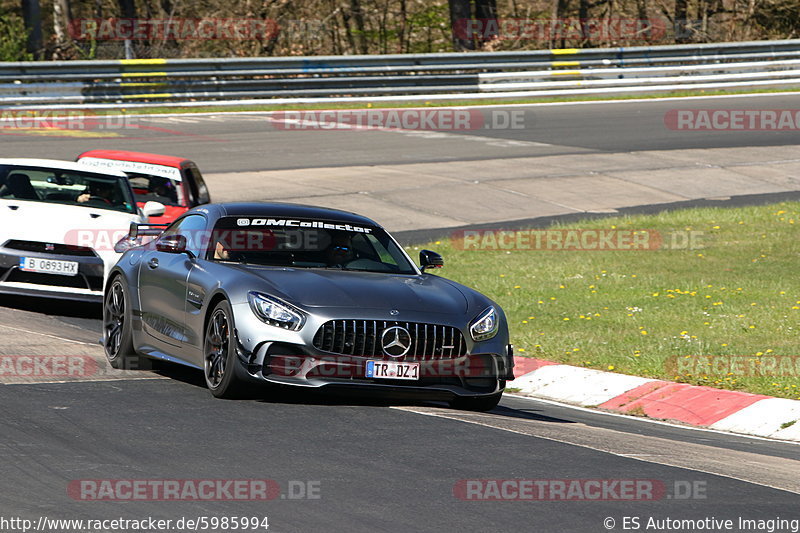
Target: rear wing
139, 235
145, 229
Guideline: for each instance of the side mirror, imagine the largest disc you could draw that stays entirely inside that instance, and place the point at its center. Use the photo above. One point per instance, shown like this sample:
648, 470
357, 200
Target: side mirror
429, 259
173, 244
153, 209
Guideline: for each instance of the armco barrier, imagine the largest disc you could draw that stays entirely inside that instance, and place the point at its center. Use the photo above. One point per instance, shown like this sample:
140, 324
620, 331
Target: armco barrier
470, 76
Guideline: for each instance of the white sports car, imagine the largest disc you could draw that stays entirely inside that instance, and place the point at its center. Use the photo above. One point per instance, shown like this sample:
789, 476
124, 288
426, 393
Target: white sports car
59, 222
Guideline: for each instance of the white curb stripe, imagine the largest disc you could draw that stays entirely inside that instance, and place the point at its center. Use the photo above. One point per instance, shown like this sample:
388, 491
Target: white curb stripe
765, 418
581, 386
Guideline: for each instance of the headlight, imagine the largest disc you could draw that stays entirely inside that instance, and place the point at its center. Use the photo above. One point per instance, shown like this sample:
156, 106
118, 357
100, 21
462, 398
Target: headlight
276, 313
485, 327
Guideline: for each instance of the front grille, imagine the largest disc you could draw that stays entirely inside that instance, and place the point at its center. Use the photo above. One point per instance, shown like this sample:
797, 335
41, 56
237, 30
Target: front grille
57, 249
80, 281
363, 337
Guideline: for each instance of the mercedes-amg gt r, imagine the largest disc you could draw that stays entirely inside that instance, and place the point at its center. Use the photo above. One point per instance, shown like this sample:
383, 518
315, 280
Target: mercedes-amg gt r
303, 296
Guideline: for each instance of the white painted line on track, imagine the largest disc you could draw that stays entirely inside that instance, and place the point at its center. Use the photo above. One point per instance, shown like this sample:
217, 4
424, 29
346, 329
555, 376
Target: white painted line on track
50, 336
466, 106
99, 380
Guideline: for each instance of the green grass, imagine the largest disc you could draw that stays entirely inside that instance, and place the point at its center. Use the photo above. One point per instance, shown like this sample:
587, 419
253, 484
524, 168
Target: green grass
177, 108
635, 311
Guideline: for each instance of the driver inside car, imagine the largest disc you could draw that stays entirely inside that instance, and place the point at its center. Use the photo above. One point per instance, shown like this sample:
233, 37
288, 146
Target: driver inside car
222, 252
233, 245
163, 189
97, 190
340, 251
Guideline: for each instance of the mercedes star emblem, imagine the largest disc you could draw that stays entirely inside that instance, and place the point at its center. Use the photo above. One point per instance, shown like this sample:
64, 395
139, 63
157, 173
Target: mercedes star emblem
396, 341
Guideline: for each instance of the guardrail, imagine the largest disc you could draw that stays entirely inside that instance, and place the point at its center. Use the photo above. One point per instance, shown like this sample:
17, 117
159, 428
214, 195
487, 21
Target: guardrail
409, 77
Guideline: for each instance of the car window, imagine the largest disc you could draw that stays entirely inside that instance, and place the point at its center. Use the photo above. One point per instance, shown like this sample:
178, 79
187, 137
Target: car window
307, 244
193, 228
72, 187
384, 254
197, 186
149, 188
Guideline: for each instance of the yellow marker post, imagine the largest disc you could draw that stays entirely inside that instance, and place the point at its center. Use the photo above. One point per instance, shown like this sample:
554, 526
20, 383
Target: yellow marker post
142, 61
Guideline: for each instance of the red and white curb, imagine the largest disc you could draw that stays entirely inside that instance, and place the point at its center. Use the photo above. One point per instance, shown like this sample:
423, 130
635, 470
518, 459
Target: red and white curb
739, 412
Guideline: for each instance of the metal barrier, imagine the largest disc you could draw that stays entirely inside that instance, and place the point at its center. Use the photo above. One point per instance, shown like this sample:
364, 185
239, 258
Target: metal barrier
406, 77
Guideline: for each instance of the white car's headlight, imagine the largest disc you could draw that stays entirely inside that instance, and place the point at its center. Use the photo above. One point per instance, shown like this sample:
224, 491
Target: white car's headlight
275, 312
485, 326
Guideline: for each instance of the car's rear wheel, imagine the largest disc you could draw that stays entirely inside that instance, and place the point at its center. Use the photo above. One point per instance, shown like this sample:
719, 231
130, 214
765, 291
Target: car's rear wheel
118, 331
482, 403
220, 354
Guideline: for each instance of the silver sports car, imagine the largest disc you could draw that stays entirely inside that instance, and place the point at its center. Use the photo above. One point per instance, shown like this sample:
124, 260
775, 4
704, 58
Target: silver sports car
303, 296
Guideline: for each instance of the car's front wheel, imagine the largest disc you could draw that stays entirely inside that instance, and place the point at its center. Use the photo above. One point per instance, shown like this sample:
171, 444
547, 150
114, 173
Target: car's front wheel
220, 353
482, 403
117, 329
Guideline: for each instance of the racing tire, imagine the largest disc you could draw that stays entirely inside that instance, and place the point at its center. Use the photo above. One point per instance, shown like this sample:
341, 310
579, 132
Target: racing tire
118, 329
482, 403
219, 354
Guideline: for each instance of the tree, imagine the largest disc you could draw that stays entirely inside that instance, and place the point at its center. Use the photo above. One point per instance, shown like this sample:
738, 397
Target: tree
61, 20
32, 15
13, 38
358, 17
128, 10
462, 12
681, 21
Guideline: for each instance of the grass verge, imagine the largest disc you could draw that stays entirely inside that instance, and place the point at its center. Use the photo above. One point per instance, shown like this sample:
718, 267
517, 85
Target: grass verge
725, 313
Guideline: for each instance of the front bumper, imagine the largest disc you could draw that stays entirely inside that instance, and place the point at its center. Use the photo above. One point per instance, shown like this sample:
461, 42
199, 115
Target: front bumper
470, 375
86, 286
274, 355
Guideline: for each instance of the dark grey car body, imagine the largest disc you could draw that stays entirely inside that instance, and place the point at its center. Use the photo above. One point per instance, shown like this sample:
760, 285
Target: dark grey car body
347, 314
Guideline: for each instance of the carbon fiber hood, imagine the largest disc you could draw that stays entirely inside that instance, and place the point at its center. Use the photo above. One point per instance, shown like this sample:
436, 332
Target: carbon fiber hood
336, 288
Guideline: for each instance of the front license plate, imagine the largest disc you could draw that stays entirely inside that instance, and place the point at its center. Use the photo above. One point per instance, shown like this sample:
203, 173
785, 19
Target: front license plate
392, 370
48, 266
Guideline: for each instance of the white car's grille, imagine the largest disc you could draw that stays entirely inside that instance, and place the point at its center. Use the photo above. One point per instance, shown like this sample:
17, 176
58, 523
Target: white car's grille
49, 248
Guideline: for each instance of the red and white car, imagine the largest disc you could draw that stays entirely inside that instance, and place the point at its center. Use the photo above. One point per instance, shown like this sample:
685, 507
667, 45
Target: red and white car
175, 182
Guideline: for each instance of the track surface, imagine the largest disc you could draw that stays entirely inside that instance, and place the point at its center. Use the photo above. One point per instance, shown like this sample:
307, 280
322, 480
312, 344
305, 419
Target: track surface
380, 466
225, 143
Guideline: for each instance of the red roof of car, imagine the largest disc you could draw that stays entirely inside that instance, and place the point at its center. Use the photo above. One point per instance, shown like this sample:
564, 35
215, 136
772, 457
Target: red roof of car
137, 157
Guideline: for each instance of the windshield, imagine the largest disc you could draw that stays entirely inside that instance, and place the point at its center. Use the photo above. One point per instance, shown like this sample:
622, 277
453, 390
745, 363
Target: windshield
315, 244
71, 187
